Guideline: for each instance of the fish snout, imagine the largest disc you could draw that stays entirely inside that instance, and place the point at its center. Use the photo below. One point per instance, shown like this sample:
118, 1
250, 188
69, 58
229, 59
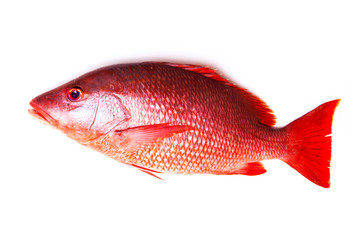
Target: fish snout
38, 111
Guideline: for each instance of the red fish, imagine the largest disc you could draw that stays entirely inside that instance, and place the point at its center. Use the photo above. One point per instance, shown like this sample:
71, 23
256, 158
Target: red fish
176, 118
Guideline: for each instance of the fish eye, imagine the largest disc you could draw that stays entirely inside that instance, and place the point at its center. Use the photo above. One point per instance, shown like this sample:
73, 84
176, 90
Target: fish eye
74, 94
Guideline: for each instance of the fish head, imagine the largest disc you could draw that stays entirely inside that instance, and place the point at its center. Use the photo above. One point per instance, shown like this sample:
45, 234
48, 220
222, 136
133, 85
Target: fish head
84, 109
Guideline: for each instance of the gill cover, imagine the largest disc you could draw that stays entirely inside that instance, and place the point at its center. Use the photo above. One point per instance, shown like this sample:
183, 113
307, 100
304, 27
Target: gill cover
108, 114
92, 117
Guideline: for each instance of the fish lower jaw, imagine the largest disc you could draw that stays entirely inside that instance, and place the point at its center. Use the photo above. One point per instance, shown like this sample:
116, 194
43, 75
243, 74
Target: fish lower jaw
43, 117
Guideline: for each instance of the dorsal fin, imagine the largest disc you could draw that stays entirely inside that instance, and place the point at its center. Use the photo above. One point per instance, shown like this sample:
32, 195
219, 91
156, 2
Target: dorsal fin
261, 109
207, 72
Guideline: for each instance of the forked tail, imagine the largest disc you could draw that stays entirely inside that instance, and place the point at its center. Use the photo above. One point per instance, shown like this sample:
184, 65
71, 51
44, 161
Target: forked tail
310, 144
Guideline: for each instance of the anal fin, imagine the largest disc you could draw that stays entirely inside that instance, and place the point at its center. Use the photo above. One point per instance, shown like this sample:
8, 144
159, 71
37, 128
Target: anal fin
250, 169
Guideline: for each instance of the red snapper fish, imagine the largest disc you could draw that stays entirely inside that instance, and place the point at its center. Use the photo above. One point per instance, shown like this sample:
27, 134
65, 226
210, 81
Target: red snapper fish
178, 118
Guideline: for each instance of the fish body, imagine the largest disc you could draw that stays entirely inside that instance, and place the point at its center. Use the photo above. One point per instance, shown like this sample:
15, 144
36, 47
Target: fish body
178, 118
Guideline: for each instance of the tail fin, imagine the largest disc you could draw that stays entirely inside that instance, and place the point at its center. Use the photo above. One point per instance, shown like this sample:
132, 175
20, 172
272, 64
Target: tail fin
310, 144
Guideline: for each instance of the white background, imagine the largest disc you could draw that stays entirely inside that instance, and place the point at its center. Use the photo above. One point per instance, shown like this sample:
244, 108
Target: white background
293, 54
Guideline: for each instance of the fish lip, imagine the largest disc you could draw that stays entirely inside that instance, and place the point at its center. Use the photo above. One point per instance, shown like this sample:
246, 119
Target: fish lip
37, 112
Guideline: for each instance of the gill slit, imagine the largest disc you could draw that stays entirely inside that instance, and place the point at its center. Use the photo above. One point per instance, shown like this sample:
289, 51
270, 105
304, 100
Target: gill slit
97, 107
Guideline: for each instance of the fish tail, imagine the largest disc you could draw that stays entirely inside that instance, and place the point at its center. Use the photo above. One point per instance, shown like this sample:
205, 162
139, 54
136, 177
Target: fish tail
310, 144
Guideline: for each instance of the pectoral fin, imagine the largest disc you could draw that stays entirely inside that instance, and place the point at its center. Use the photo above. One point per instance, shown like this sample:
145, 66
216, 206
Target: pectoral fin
148, 134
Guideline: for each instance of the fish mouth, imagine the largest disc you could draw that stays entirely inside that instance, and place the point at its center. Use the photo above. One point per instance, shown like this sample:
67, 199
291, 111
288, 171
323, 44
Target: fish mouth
37, 112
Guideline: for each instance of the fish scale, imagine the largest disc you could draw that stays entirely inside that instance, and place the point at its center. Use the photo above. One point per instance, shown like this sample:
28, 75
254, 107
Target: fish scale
207, 157
181, 118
